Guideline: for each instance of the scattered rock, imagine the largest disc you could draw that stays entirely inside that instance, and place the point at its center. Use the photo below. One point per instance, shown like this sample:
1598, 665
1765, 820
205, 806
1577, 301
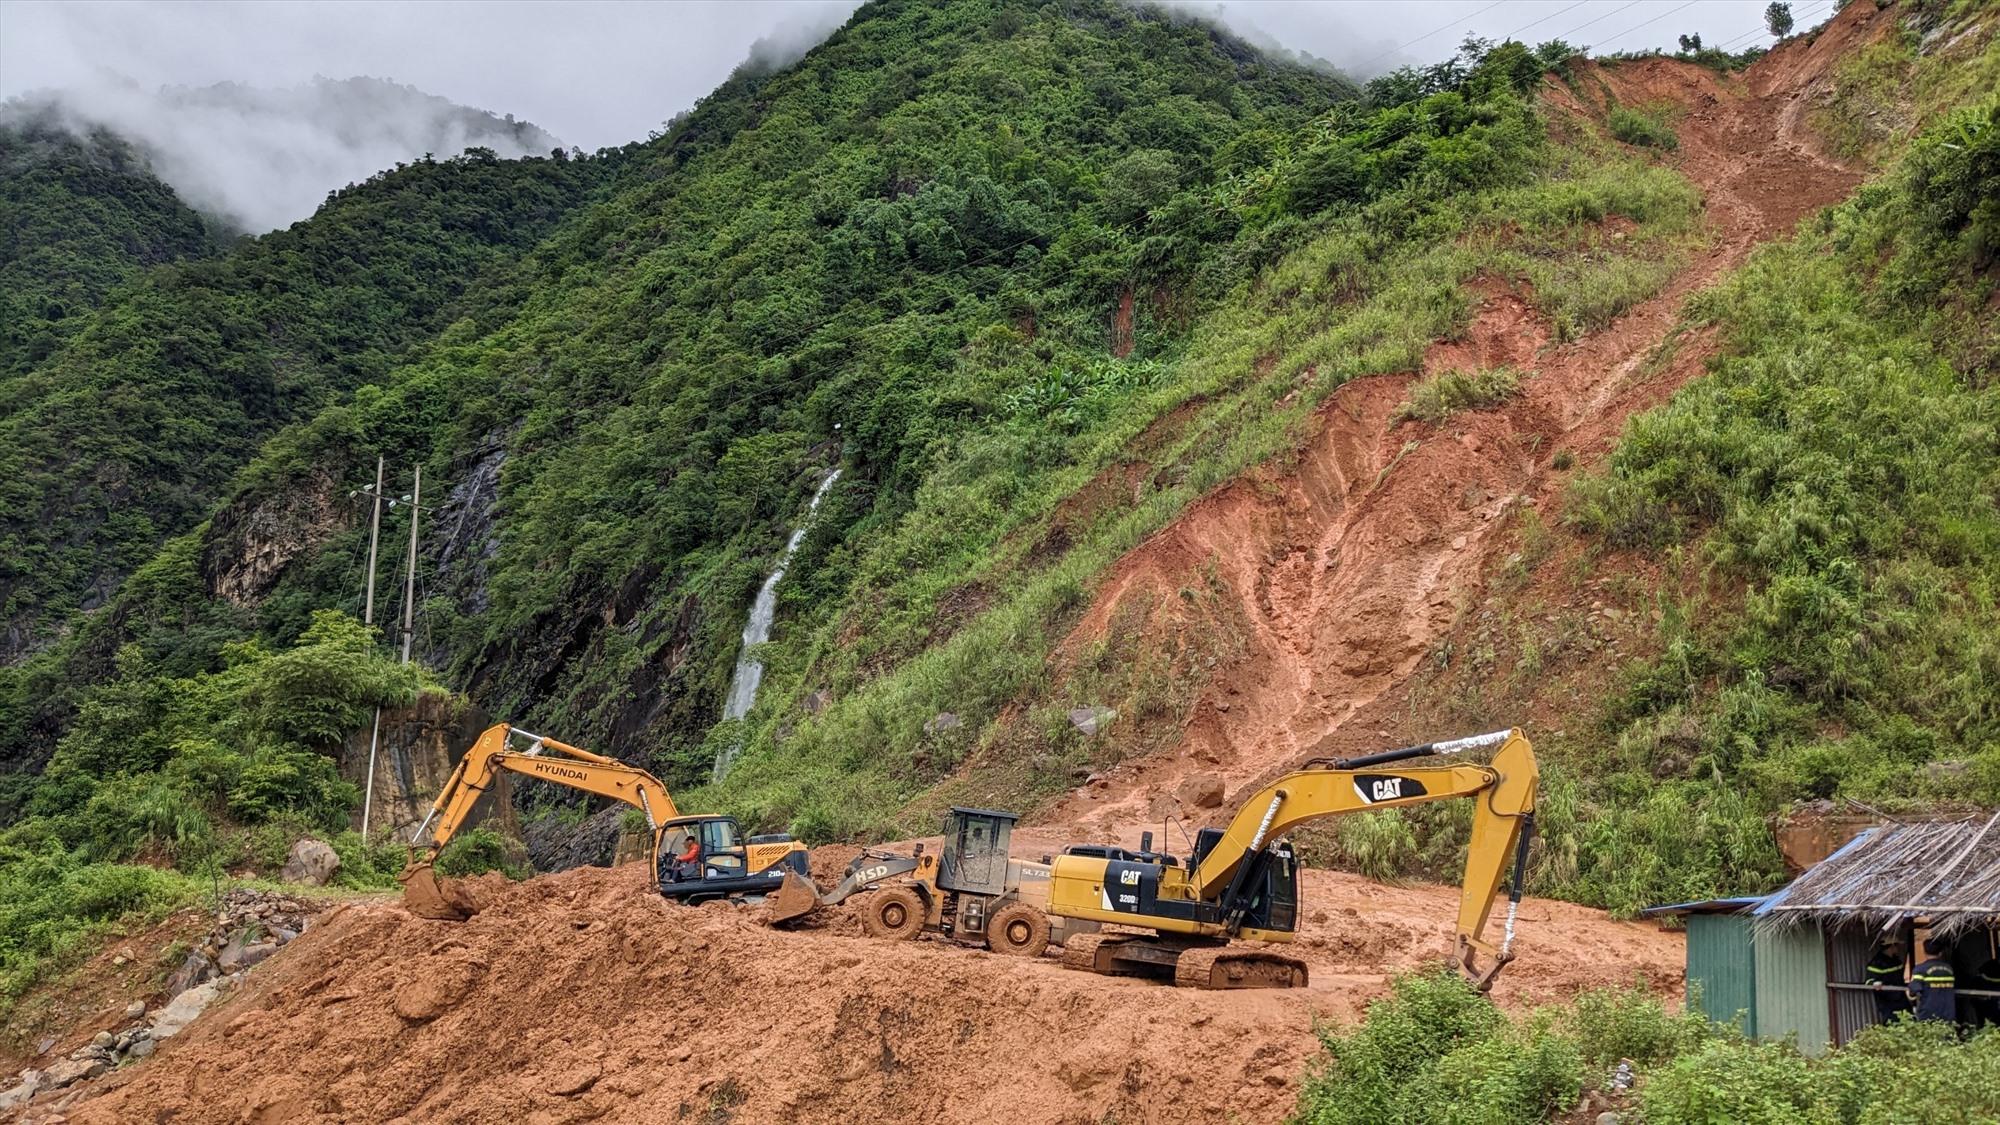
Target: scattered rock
142, 1049
1091, 719
1203, 791
135, 1010
1097, 781
182, 1009
197, 969
281, 935
103, 1039
943, 721
240, 955
311, 862
19, 1094
71, 1071
1608, 1117
816, 702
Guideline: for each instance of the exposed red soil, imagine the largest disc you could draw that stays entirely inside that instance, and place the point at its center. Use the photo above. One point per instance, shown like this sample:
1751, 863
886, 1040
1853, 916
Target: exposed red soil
582, 996
1351, 560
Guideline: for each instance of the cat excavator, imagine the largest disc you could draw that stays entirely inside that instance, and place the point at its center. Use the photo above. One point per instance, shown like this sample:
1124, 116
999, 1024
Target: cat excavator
694, 858
1241, 882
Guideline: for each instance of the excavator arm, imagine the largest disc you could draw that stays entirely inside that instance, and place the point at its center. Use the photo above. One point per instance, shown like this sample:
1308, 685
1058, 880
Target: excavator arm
544, 758
1503, 819
1232, 888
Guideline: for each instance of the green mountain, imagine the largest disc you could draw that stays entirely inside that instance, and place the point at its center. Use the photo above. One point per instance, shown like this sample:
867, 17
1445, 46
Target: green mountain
79, 215
1036, 278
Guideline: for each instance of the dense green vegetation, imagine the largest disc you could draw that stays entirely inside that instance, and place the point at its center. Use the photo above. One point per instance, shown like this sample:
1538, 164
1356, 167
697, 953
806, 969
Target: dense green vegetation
1840, 466
197, 775
1408, 203
129, 431
1437, 1051
78, 216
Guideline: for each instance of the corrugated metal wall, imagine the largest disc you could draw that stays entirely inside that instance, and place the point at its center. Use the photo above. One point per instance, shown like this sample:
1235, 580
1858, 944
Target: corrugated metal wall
1847, 953
1721, 967
1791, 987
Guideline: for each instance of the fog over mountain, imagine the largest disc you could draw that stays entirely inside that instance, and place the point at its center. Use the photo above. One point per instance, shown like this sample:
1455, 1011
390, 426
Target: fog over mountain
262, 158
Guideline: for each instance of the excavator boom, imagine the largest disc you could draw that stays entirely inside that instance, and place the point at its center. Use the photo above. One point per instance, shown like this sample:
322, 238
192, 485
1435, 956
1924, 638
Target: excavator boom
491, 756
1240, 882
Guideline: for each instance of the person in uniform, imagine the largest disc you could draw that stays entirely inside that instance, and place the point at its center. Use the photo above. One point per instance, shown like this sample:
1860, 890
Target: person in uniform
1933, 984
1885, 975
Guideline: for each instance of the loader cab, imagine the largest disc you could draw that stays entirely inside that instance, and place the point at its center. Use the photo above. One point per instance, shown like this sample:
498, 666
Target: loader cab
725, 863
976, 843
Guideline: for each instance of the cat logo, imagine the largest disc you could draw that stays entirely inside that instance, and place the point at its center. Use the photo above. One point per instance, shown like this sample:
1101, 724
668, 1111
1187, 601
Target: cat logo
1129, 878
1376, 788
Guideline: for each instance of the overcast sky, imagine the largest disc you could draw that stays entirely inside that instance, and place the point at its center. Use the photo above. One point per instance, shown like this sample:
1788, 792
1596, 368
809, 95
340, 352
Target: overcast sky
603, 73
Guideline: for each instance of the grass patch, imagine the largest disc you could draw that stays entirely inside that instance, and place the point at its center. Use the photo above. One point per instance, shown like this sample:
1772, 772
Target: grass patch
1647, 128
1437, 397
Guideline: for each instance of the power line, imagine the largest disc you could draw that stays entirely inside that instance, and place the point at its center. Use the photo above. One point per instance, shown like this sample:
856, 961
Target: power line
1600, 19
1547, 18
1426, 35
1648, 23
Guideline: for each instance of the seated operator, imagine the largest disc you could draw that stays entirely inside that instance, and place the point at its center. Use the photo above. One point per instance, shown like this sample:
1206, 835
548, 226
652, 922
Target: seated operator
687, 865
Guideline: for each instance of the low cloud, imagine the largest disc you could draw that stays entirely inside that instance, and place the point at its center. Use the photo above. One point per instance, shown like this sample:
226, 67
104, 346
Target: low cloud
260, 159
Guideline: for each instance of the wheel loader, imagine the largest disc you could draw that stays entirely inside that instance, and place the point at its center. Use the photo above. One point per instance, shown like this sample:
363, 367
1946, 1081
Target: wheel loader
724, 865
970, 891
1241, 882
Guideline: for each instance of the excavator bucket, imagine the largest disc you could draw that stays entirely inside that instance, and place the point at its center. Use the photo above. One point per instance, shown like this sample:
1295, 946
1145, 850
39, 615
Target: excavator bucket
426, 897
796, 897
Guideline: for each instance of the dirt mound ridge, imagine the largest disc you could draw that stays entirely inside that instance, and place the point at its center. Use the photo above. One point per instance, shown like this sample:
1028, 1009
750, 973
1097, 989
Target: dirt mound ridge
582, 996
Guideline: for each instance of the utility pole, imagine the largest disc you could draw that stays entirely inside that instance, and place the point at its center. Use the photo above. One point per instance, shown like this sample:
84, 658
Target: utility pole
368, 618
410, 576
374, 535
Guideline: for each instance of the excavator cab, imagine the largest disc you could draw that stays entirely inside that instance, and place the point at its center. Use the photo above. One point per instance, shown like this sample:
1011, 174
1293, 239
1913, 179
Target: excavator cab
724, 863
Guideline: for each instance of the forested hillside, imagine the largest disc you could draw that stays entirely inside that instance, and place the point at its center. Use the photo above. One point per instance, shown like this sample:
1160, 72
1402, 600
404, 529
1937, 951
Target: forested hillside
78, 215
1039, 280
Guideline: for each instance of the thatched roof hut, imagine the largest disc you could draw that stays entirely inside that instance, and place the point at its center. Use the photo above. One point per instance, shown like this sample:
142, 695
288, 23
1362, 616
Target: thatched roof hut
1944, 873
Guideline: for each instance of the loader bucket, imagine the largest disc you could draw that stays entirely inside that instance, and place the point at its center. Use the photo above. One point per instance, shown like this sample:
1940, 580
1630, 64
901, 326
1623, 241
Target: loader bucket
796, 897
426, 897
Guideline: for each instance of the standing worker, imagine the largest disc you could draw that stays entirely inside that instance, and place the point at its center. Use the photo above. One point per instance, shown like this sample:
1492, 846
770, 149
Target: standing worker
1884, 974
1933, 986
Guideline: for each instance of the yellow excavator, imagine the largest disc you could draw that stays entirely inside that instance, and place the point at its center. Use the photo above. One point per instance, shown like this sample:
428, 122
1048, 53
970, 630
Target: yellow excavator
694, 858
1242, 881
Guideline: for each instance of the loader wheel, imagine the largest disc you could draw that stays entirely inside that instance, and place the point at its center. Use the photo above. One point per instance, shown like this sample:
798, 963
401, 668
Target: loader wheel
1018, 930
893, 913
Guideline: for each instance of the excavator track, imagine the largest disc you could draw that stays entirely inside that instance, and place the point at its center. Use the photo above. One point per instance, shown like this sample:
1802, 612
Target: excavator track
1233, 967
1096, 953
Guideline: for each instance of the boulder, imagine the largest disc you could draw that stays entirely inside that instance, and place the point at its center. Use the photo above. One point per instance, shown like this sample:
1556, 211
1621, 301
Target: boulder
197, 969
71, 1071
141, 1049
1090, 720
1202, 791
182, 1009
135, 1010
311, 862
241, 953
20, 1093
103, 1039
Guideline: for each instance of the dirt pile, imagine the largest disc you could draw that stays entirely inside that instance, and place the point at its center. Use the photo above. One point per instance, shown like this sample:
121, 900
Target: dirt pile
1349, 565
581, 996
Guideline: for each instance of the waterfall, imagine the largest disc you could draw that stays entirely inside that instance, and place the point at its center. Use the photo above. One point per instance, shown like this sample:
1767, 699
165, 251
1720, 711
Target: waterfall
750, 670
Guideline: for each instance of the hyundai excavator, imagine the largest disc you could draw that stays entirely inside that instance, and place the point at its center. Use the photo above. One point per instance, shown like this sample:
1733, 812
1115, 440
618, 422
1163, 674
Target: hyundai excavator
1241, 882
694, 858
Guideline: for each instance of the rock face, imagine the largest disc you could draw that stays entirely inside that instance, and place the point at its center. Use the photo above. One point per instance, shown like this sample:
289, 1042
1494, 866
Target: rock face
311, 862
414, 755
